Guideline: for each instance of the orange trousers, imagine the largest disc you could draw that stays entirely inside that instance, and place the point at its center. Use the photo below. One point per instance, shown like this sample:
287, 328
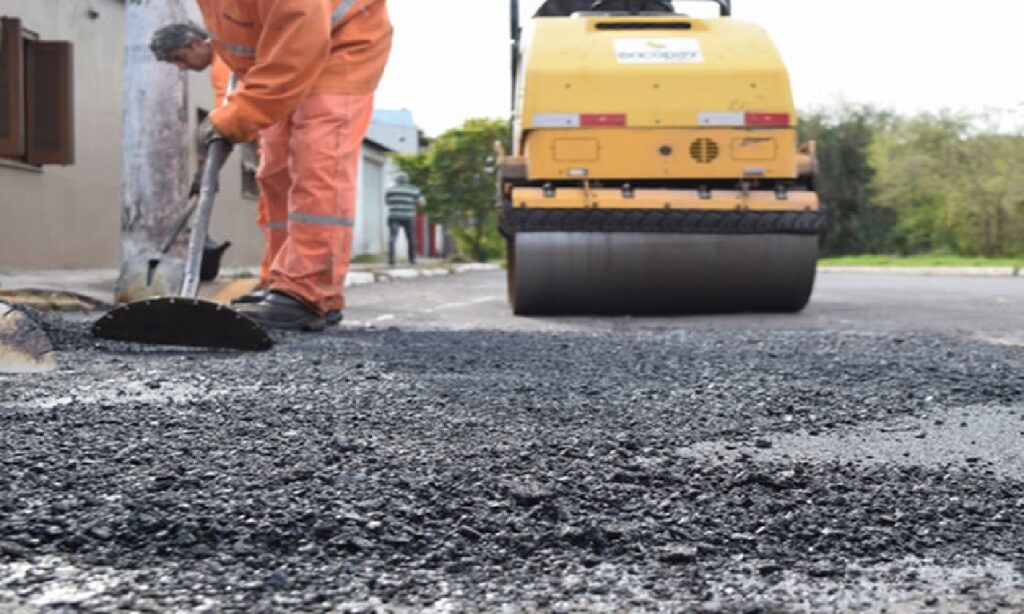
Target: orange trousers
307, 177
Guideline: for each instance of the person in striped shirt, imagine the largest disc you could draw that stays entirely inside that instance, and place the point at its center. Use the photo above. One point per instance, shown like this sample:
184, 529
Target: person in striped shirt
402, 200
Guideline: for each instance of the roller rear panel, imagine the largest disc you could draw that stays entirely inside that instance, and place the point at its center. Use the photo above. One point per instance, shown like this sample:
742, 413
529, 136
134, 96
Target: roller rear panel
655, 169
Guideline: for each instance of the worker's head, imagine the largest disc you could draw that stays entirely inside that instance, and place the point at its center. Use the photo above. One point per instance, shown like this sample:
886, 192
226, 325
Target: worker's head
185, 45
401, 179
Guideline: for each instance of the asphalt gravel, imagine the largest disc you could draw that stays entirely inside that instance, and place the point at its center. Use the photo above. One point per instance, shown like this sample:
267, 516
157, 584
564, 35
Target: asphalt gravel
386, 469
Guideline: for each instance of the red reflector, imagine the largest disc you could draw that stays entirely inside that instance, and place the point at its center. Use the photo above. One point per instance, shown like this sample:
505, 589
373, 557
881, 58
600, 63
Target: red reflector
767, 119
603, 119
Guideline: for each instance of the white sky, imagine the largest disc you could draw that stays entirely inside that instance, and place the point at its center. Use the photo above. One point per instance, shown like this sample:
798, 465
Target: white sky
450, 60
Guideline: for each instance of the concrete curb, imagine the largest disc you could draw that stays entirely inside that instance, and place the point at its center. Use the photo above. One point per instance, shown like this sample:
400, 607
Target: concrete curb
386, 275
949, 271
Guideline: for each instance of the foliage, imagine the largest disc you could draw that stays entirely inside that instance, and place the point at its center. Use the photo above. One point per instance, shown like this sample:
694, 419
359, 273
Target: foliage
457, 177
845, 177
954, 186
943, 182
921, 260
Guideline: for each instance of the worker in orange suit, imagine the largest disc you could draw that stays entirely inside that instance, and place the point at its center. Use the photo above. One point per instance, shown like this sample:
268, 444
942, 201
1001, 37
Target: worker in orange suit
189, 43
308, 70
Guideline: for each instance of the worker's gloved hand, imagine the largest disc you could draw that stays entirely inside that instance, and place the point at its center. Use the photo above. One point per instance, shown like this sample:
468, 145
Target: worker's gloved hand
208, 134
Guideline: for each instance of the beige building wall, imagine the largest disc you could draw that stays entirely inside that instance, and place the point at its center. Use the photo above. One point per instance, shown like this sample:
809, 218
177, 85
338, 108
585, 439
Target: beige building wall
69, 217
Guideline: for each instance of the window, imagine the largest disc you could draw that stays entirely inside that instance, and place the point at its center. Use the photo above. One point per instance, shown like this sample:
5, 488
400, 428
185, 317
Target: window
36, 97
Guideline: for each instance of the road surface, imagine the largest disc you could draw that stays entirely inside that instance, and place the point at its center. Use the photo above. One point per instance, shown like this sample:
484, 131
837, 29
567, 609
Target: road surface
436, 453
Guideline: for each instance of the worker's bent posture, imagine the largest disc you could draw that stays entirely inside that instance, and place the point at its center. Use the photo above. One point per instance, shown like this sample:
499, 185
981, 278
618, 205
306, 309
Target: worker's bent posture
308, 70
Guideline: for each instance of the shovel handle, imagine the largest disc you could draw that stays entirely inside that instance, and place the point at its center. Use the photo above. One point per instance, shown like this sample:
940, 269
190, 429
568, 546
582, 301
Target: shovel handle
215, 156
216, 153
179, 224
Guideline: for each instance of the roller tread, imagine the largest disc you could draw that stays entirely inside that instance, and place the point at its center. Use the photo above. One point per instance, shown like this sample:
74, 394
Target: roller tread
515, 220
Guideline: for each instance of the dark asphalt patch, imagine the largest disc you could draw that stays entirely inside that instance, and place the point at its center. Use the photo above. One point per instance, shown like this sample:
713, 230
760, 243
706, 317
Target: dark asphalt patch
479, 469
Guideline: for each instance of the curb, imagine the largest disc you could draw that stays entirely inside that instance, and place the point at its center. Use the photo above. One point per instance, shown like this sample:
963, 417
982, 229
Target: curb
95, 286
949, 271
359, 278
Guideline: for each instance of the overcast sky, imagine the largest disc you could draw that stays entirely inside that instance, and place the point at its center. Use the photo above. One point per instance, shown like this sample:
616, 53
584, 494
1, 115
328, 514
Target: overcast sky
450, 58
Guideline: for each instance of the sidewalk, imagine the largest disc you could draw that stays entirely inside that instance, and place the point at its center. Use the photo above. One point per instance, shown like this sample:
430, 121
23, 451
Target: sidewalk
84, 288
963, 271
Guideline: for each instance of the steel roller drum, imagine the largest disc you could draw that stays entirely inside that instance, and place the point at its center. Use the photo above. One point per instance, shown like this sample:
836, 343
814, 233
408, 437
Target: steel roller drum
659, 273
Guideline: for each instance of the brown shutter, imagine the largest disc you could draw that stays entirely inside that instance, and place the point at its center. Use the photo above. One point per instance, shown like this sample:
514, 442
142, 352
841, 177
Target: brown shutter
50, 101
12, 89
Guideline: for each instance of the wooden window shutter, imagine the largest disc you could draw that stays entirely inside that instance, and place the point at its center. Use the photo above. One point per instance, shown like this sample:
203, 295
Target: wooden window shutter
12, 89
49, 86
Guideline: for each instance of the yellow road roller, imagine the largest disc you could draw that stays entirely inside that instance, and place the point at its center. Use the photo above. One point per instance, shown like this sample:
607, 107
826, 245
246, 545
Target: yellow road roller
655, 167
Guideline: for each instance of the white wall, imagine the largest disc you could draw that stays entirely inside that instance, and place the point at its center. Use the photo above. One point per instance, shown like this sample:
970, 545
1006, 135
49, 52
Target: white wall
69, 217
370, 230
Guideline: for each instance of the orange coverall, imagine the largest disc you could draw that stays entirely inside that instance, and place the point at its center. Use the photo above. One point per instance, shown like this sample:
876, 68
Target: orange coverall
220, 75
308, 70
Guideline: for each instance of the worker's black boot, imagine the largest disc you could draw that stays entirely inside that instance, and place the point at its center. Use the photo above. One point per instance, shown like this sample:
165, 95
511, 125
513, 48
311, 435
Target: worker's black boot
279, 310
256, 296
333, 317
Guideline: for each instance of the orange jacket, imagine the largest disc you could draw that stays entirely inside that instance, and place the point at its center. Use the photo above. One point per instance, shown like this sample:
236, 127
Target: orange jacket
220, 74
286, 50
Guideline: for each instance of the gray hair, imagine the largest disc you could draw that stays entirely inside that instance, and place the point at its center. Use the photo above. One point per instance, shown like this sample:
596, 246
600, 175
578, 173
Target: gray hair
175, 36
401, 179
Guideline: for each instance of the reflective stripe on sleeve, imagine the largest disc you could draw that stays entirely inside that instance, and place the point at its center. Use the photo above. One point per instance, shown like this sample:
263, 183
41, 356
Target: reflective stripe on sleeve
238, 49
339, 13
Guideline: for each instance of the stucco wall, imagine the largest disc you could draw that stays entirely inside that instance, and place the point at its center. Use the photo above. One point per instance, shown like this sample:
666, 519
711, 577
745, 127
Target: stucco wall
69, 217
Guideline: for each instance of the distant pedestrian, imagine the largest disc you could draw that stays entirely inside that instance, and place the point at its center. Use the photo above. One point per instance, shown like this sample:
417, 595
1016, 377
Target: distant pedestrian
402, 200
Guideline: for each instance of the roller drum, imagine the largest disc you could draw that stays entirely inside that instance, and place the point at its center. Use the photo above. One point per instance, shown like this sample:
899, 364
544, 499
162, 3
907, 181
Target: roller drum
659, 273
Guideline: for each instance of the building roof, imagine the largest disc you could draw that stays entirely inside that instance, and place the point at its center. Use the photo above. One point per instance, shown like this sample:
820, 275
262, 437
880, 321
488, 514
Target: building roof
395, 117
394, 130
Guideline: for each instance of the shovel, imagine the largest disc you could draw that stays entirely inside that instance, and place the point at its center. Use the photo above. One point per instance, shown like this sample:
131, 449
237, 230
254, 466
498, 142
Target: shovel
162, 275
184, 319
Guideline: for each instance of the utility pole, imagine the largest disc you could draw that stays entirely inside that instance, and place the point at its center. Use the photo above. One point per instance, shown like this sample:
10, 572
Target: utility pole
155, 154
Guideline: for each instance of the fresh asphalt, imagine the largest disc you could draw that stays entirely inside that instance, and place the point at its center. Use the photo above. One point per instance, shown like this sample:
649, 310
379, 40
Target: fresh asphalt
437, 453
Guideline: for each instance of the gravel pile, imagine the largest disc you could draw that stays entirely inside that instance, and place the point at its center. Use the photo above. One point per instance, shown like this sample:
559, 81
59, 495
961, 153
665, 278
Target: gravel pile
386, 469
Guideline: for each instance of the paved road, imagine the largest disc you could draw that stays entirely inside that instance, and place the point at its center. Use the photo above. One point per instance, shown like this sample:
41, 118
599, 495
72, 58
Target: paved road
990, 308
438, 453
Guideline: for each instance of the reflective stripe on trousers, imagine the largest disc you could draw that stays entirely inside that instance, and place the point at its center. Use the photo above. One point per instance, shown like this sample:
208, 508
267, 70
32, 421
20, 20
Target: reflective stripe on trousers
321, 220
321, 143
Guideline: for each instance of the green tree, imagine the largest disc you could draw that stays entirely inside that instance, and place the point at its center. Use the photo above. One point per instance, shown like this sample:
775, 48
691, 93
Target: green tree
457, 177
987, 208
953, 184
844, 136
913, 159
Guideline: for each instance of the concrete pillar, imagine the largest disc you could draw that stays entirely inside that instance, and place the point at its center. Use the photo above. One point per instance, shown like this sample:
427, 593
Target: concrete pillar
155, 138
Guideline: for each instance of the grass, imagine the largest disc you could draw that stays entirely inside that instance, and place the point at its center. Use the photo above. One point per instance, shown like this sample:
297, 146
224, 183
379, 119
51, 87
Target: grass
923, 260
368, 259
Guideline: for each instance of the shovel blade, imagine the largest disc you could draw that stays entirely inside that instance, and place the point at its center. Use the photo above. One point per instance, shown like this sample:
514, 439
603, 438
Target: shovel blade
150, 277
24, 347
182, 321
